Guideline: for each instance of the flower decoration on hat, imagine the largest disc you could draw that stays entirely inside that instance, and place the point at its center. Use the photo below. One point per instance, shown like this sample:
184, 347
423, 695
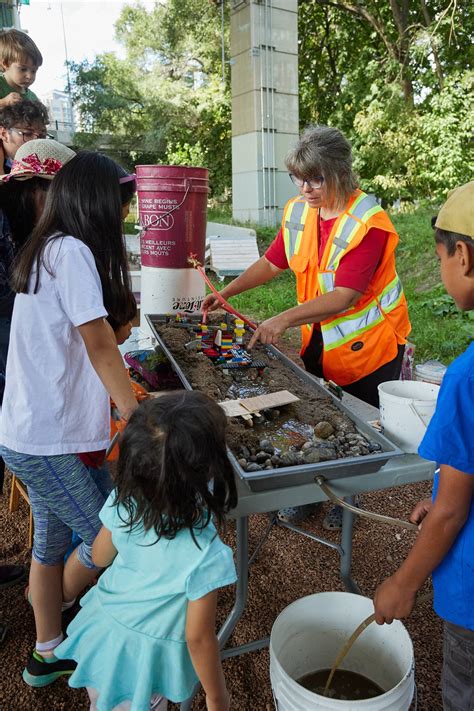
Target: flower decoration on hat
33, 164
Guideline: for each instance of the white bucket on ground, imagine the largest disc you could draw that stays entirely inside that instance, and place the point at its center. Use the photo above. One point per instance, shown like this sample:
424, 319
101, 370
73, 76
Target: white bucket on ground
307, 637
406, 407
430, 372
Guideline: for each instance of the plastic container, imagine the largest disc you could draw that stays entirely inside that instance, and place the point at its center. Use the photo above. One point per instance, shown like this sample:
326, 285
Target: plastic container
309, 633
430, 372
406, 407
172, 207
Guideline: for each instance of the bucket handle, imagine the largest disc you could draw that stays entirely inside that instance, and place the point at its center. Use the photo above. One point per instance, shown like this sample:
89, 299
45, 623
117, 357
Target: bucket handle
187, 184
417, 414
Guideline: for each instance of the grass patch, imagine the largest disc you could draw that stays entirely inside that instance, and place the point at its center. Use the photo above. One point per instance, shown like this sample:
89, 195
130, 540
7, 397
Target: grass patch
439, 330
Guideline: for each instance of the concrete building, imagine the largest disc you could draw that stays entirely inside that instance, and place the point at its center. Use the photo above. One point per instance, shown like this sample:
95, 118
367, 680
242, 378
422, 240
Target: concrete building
264, 50
61, 112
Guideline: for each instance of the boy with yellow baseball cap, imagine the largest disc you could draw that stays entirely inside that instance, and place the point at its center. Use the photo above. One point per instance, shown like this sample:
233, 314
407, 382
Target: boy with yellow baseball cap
445, 544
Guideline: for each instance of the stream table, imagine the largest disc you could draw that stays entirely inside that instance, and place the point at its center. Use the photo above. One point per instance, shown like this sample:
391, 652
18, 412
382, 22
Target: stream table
405, 469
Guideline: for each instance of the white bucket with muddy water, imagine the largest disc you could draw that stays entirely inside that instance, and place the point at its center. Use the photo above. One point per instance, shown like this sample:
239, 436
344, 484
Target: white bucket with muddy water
406, 408
307, 637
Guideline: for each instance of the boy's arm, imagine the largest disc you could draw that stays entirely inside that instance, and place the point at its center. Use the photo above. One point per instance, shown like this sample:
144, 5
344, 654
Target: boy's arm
103, 550
204, 650
12, 98
395, 597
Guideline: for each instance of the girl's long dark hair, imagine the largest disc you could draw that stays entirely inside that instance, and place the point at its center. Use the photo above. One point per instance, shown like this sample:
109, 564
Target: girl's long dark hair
17, 200
85, 201
173, 470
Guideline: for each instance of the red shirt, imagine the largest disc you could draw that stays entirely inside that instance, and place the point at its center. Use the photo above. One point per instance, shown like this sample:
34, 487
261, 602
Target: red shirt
355, 269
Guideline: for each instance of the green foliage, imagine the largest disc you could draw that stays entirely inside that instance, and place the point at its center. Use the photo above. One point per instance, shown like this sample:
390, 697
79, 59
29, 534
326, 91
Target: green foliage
164, 99
425, 149
399, 87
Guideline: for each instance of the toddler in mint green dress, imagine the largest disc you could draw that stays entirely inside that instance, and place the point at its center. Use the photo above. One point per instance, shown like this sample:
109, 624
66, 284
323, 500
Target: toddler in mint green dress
130, 639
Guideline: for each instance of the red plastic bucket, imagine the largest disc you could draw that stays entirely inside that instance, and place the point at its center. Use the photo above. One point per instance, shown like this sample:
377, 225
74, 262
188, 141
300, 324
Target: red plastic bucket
172, 206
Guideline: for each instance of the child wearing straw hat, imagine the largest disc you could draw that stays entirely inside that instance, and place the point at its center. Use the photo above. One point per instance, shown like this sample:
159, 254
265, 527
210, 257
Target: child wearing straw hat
445, 545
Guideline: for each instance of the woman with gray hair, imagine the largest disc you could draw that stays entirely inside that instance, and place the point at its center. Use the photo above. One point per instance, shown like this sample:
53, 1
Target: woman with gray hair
340, 244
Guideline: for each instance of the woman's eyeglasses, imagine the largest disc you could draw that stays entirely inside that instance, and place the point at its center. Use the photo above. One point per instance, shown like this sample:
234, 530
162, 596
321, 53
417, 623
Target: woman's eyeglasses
312, 184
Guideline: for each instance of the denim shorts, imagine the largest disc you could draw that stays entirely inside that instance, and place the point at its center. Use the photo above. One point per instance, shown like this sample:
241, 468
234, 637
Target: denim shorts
458, 668
64, 497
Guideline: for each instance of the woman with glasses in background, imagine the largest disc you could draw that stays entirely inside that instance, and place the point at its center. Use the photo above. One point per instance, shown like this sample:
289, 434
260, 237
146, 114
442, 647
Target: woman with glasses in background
340, 244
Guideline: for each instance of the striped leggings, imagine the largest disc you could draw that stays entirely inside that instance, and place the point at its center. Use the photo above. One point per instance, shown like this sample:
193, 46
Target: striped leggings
64, 496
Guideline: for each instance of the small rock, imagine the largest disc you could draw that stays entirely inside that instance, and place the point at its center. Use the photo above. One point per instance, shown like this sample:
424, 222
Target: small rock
275, 460
253, 467
398, 536
312, 456
326, 452
307, 445
289, 459
323, 429
252, 458
244, 452
389, 558
266, 446
375, 447
242, 462
261, 457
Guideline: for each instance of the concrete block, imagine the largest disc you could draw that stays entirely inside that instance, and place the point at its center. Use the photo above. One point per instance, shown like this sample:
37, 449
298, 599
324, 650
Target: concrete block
280, 112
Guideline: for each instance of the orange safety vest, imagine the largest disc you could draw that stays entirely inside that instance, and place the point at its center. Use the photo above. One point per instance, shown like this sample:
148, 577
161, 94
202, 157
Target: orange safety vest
365, 336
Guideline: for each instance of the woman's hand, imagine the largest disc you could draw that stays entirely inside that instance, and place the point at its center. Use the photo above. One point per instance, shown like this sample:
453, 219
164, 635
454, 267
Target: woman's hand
420, 511
210, 303
393, 601
269, 331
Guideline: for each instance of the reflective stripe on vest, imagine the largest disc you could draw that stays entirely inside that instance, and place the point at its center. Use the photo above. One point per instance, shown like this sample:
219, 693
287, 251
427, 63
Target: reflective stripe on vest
349, 326
363, 207
294, 226
326, 281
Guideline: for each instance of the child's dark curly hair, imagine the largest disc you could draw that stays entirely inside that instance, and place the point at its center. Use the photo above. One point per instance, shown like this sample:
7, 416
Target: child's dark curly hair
173, 470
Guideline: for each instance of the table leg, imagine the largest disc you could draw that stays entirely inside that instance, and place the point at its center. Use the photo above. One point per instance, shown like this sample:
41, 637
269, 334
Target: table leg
346, 555
242, 564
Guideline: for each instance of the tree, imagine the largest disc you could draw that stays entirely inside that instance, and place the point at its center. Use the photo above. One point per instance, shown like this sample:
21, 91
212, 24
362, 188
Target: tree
164, 100
394, 77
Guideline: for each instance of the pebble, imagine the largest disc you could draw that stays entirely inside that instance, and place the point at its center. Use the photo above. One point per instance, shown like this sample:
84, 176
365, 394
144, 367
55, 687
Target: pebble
323, 429
261, 457
266, 446
275, 460
375, 447
312, 456
326, 452
242, 462
245, 452
289, 459
253, 467
307, 445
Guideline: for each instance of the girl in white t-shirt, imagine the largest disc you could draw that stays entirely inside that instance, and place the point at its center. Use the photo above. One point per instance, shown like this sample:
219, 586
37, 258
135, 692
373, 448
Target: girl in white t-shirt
63, 365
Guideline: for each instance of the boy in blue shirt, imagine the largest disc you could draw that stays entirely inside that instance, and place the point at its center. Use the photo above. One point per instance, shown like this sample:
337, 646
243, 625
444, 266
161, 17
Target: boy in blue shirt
445, 544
